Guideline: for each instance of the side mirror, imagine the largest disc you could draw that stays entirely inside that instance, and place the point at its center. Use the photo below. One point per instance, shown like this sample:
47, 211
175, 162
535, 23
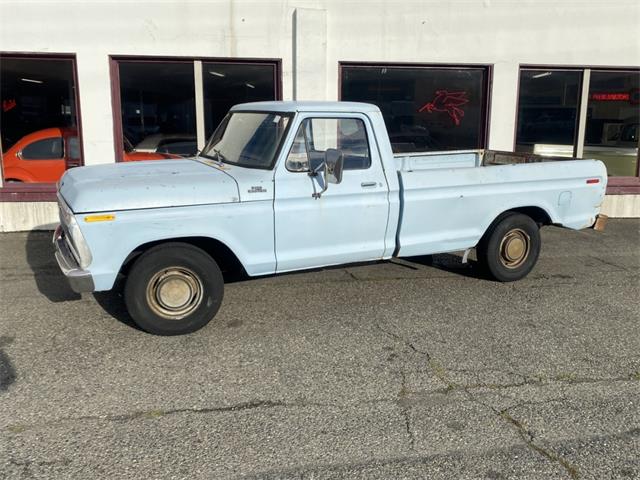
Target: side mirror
334, 163
331, 167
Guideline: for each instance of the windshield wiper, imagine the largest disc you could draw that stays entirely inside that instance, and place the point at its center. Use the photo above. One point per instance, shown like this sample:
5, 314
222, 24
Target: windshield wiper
219, 157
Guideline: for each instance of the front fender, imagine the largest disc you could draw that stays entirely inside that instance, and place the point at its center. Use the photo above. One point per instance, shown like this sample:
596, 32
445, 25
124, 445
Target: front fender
246, 228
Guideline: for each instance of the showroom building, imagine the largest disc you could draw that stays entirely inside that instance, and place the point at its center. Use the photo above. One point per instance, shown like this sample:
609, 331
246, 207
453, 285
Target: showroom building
86, 83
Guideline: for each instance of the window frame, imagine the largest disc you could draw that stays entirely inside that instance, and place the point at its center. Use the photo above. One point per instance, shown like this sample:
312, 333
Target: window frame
306, 141
627, 185
114, 75
41, 192
487, 84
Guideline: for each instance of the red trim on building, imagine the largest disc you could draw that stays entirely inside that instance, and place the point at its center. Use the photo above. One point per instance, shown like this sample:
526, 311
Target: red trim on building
623, 186
28, 192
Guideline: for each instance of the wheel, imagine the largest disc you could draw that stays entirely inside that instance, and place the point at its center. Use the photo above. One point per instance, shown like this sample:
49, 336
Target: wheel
509, 250
173, 289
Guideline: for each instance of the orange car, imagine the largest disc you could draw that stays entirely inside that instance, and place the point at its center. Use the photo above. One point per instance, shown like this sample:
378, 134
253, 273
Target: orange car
43, 156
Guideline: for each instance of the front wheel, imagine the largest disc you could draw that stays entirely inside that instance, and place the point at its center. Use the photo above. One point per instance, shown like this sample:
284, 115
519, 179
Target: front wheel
510, 248
173, 289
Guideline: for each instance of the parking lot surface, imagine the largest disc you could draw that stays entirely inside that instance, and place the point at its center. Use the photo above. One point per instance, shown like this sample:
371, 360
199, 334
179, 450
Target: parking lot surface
408, 369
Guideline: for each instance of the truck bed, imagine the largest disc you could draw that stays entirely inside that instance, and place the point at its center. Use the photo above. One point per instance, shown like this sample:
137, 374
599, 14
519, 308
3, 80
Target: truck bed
467, 158
450, 199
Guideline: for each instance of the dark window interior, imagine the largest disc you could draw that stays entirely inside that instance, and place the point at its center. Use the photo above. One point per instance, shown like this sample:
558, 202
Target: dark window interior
613, 118
226, 85
424, 108
157, 98
36, 94
548, 111
548, 108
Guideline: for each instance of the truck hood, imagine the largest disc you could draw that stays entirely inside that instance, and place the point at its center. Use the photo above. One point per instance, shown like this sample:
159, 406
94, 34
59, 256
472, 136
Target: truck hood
152, 184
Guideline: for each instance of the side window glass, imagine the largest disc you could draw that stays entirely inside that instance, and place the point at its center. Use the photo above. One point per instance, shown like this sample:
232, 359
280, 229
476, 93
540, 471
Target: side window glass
316, 135
74, 148
46, 149
352, 141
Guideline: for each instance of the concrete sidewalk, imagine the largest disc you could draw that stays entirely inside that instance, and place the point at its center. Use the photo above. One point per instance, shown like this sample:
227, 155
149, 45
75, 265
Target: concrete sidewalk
411, 369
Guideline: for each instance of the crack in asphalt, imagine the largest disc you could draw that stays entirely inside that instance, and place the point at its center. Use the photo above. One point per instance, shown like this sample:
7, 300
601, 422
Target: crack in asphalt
405, 411
344, 469
159, 413
402, 399
609, 263
441, 374
527, 437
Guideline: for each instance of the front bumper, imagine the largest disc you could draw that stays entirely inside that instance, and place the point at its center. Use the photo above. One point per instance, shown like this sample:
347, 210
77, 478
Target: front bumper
80, 280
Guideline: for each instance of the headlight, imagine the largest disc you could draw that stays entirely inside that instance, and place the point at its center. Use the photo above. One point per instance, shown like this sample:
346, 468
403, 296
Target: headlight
79, 245
75, 239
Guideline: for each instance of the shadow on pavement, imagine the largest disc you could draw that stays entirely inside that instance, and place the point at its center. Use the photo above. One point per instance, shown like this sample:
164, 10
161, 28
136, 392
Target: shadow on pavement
450, 262
7, 372
49, 279
112, 302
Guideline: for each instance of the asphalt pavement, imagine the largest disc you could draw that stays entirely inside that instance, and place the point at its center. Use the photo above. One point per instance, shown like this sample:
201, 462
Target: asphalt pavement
414, 369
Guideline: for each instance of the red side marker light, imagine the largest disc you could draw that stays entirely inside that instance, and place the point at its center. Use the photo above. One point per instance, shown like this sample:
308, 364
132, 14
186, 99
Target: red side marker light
593, 180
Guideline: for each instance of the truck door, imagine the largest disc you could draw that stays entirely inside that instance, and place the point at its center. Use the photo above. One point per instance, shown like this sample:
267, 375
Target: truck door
349, 220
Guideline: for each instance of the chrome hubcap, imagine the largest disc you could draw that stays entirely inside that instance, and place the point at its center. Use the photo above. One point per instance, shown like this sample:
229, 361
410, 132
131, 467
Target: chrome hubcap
514, 248
174, 293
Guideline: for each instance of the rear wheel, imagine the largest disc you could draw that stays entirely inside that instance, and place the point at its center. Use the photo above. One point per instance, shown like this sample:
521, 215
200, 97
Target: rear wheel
509, 249
174, 288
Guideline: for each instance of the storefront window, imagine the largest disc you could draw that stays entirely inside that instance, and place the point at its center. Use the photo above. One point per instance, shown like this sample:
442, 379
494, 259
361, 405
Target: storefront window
227, 84
38, 123
613, 116
160, 116
550, 122
424, 108
548, 112
158, 107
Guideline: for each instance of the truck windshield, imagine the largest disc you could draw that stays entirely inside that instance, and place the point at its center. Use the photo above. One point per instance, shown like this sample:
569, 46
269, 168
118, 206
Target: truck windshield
248, 139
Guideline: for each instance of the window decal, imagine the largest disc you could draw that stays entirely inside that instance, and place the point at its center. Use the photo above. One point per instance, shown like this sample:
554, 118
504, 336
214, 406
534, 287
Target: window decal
632, 96
449, 102
8, 104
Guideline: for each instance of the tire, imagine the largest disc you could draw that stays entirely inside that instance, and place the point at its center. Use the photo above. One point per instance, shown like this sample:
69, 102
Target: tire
173, 289
509, 249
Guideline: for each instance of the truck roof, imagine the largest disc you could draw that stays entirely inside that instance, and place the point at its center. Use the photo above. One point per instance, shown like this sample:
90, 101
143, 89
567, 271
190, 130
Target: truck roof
307, 106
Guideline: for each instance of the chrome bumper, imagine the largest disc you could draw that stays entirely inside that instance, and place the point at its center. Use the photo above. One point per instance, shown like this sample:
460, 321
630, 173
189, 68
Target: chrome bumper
80, 280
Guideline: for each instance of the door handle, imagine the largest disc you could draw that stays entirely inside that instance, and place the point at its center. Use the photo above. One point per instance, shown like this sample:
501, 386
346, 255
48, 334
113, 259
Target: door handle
368, 184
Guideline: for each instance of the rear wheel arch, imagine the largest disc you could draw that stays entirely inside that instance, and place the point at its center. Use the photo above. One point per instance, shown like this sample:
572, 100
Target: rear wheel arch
537, 214
231, 266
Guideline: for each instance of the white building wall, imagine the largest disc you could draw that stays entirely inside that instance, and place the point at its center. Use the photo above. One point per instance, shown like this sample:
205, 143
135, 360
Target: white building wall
503, 33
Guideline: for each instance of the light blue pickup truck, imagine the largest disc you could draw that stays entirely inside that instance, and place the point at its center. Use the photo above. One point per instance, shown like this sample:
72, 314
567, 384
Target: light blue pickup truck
285, 186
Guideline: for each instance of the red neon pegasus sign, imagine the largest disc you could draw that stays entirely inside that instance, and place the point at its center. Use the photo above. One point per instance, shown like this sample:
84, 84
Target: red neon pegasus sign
449, 102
